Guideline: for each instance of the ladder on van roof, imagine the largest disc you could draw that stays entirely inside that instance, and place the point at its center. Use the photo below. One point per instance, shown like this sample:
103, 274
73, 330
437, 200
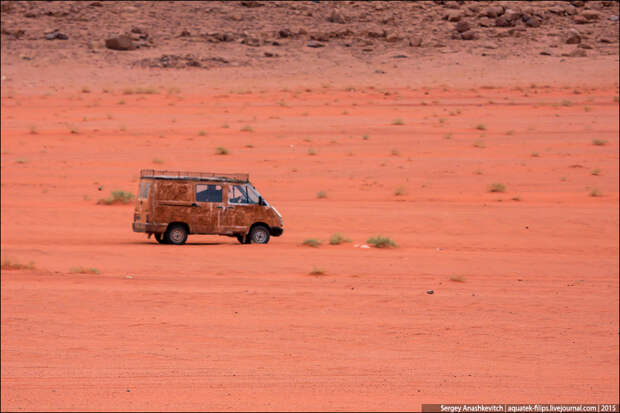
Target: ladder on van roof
199, 176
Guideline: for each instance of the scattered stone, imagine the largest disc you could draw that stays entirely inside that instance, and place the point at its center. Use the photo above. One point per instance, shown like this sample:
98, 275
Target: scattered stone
415, 42
462, 26
219, 37
336, 17
577, 3
120, 43
271, 54
591, 14
400, 56
95, 4
579, 19
452, 5
605, 39
15, 34
285, 33
613, 18
251, 4
469, 35
315, 45
503, 22
453, 15
512, 15
585, 46
392, 38
546, 53
53, 35
185, 33
251, 41
380, 72
489, 45
532, 22
430, 292
494, 11
573, 37
180, 62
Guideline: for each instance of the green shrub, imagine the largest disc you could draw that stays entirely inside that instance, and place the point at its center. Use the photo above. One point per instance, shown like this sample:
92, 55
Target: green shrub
338, 239
83, 270
497, 187
311, 242
220, 150
117, 197
381, 242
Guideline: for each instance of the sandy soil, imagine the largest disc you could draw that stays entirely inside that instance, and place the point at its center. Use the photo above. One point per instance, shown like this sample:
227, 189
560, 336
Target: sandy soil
525, 303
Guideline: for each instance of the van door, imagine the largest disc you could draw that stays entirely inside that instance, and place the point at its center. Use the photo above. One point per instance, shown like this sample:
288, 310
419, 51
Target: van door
208, 208
242, 208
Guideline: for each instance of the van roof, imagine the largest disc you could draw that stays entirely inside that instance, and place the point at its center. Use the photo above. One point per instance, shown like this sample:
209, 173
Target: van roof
194, 176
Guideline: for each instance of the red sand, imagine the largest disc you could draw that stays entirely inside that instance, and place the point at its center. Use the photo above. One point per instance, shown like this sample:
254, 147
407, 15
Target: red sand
215, 325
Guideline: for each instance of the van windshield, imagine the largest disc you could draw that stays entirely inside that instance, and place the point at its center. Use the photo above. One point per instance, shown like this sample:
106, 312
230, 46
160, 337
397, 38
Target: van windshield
243, 194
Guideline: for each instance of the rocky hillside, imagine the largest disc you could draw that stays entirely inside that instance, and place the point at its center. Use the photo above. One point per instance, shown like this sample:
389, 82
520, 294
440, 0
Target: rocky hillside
206, 34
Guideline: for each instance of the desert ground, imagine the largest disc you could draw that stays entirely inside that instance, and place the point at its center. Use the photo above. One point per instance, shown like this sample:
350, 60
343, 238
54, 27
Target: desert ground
494, 170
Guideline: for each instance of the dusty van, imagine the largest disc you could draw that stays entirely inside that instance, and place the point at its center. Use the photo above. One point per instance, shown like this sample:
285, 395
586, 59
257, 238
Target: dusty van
173, 204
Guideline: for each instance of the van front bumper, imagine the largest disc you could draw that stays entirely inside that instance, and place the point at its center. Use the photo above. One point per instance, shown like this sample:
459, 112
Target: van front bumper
276, 231
148, 227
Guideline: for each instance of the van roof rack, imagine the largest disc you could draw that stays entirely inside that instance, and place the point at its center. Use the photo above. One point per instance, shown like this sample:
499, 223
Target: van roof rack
195, 176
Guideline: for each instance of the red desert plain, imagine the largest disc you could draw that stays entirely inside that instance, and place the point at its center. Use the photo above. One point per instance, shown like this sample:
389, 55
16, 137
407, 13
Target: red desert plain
497, 179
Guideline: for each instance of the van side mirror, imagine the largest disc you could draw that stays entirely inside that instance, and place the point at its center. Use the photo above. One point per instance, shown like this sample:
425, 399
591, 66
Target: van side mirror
261, 201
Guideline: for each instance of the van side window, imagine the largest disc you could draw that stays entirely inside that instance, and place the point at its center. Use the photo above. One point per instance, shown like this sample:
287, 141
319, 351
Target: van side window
242, 194
208, 193
144, 190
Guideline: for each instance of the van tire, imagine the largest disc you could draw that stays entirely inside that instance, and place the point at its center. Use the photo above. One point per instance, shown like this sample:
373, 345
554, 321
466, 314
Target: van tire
161, 238
259, 235
176, 234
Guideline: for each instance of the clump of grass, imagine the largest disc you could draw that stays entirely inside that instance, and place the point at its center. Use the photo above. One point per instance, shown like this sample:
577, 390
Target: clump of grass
74, 131
365, 137
381, 242
33, 130
158, 161
85, 90
247, 128
8, 264
338, 239
535, 155
249, 145
140, 91
481, 126
22, 161
516, 198
225, 126
121, 102
398, 122
311, 151
117, 197
321, 194
587, 108
395, 152
510, 132
220, 150
84, 270
457, 279
400, 191
599, 142
566, 102
595, 192
479, 144
596, 172
497, 187
202, 133
311, 242
317, 271
448, 135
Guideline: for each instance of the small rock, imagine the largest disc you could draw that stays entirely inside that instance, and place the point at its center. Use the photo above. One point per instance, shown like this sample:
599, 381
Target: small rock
364, 246
453, 15
545, 53
285, 33
573, 37
120, 43
512, 15
336, 17
56, 35
532, 22
185, 33
585, 46
494, 11
503, 22
430, 292
469, 35
271, 54
579, 19
591, 14
380, 72
251, 4
415, 42
605, 39
315, 44
400, 56
462, 26
613, 18
489, 45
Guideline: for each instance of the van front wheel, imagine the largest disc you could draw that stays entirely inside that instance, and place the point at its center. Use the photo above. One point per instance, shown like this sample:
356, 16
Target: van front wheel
259, 235
176, 234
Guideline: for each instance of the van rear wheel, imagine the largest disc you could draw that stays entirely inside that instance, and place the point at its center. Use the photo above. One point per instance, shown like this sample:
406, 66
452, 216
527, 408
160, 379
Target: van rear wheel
161, 238
176, 234
259, 235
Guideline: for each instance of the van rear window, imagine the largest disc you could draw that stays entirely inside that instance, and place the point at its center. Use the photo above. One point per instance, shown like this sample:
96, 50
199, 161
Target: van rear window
144, 190
208, 193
